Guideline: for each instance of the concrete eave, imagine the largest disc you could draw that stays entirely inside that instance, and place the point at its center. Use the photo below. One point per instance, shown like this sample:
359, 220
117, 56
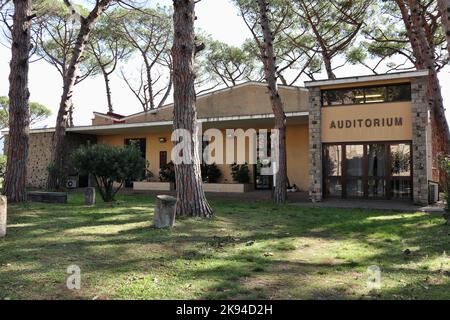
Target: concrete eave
108, 128
367, 78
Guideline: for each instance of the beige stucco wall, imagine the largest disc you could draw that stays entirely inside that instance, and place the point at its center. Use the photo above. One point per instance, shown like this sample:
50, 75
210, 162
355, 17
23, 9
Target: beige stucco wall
297, 148
100, 120
296, 141
243, 100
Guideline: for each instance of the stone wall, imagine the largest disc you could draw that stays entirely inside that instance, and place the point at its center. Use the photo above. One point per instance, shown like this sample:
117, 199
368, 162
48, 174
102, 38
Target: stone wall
419, 143
315, 146
39, 155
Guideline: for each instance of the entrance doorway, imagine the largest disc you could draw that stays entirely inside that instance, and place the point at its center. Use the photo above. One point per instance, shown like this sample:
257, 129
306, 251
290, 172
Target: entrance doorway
263, 182
374, 170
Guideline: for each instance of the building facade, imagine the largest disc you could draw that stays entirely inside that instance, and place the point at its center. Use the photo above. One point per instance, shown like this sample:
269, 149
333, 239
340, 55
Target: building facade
355, 138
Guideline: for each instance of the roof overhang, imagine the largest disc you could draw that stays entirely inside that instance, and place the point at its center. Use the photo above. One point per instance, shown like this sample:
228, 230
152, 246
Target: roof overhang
158, 126
367, 78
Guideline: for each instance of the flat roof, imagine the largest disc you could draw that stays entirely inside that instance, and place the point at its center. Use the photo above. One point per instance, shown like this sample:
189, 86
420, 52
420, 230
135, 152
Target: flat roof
367, 78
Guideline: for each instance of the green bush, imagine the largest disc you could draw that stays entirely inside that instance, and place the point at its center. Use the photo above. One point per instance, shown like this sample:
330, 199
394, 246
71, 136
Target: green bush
2, 166
167, 173
444, 166
109, 164
211, 173
240, 173
60, 174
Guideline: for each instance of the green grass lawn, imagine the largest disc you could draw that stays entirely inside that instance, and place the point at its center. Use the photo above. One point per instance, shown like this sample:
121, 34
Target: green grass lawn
249, 250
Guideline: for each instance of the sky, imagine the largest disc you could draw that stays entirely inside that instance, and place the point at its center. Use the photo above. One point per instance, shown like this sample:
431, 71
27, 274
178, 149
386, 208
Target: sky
216, 17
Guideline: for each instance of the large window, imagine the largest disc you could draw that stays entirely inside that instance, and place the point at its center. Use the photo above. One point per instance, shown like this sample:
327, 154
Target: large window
333, 170
368, 170
377, 94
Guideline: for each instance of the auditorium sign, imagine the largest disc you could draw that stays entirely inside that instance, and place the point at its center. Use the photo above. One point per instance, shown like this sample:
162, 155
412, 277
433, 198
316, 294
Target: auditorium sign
380, 122
366, 123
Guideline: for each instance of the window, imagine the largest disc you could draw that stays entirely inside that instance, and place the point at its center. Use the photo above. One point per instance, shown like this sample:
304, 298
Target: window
162, 159
353, 96
399, 93
141, 144
372, 170
333, 170
376, 94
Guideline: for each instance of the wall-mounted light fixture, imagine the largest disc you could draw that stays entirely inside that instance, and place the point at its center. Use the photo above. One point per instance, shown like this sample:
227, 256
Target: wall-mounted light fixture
162, 140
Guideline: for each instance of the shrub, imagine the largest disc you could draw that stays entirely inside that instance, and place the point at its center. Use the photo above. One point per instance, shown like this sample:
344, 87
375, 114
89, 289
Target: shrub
444, 166
240, 173
148, 174
211, 173
109, 164
2, 166
167, 173
60, 175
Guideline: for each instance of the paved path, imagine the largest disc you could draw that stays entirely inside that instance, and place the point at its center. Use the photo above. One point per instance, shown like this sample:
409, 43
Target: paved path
301, 199
373, 205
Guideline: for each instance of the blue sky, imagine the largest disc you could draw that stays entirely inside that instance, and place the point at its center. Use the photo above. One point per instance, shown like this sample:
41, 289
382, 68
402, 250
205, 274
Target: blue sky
216, 17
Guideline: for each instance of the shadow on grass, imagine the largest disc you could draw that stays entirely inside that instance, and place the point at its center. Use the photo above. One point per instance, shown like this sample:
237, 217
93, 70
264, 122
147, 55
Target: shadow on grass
113, 240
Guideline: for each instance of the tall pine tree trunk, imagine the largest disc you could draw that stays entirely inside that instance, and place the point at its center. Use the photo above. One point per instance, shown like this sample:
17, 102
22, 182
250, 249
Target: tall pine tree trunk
444, 8
268, 57
59, 138
168, 90
16, 170
191, 200
440, 129
148, 72
108, 90
406, 17
328, 67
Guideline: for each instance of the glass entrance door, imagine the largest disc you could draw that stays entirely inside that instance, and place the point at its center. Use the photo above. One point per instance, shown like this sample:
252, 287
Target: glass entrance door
376, 170
354, 171
368, 170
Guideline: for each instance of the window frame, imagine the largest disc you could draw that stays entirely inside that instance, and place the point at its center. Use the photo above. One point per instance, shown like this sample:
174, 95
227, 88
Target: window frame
389, 178
386, 94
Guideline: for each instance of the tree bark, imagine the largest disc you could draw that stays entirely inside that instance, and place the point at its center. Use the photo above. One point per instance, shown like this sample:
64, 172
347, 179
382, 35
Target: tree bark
444, 7
148, 70
59, 138
167, 93
191, 200
406, 17
108, 90
19, 118
268, 57
440, 129
328, 67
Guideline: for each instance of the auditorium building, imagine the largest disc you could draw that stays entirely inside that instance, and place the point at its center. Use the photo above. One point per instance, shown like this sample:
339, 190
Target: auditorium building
365, 137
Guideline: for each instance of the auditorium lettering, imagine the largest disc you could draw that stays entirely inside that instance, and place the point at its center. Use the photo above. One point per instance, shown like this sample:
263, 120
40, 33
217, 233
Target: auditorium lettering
367, 123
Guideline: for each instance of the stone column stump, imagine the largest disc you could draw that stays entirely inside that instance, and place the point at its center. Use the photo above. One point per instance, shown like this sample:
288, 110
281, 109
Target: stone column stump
3, 211
89, 196
164, 215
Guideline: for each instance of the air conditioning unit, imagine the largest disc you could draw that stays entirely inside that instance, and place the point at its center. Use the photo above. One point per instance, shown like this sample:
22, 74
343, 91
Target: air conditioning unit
433, 192
71, 183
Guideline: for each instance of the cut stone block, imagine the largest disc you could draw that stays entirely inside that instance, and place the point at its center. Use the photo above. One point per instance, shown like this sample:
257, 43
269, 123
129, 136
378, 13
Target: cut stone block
89, 196
164, 215
3, 214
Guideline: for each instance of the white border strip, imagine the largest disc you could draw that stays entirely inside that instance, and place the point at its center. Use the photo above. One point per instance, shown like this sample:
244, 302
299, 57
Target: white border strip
351, 80
137, 125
